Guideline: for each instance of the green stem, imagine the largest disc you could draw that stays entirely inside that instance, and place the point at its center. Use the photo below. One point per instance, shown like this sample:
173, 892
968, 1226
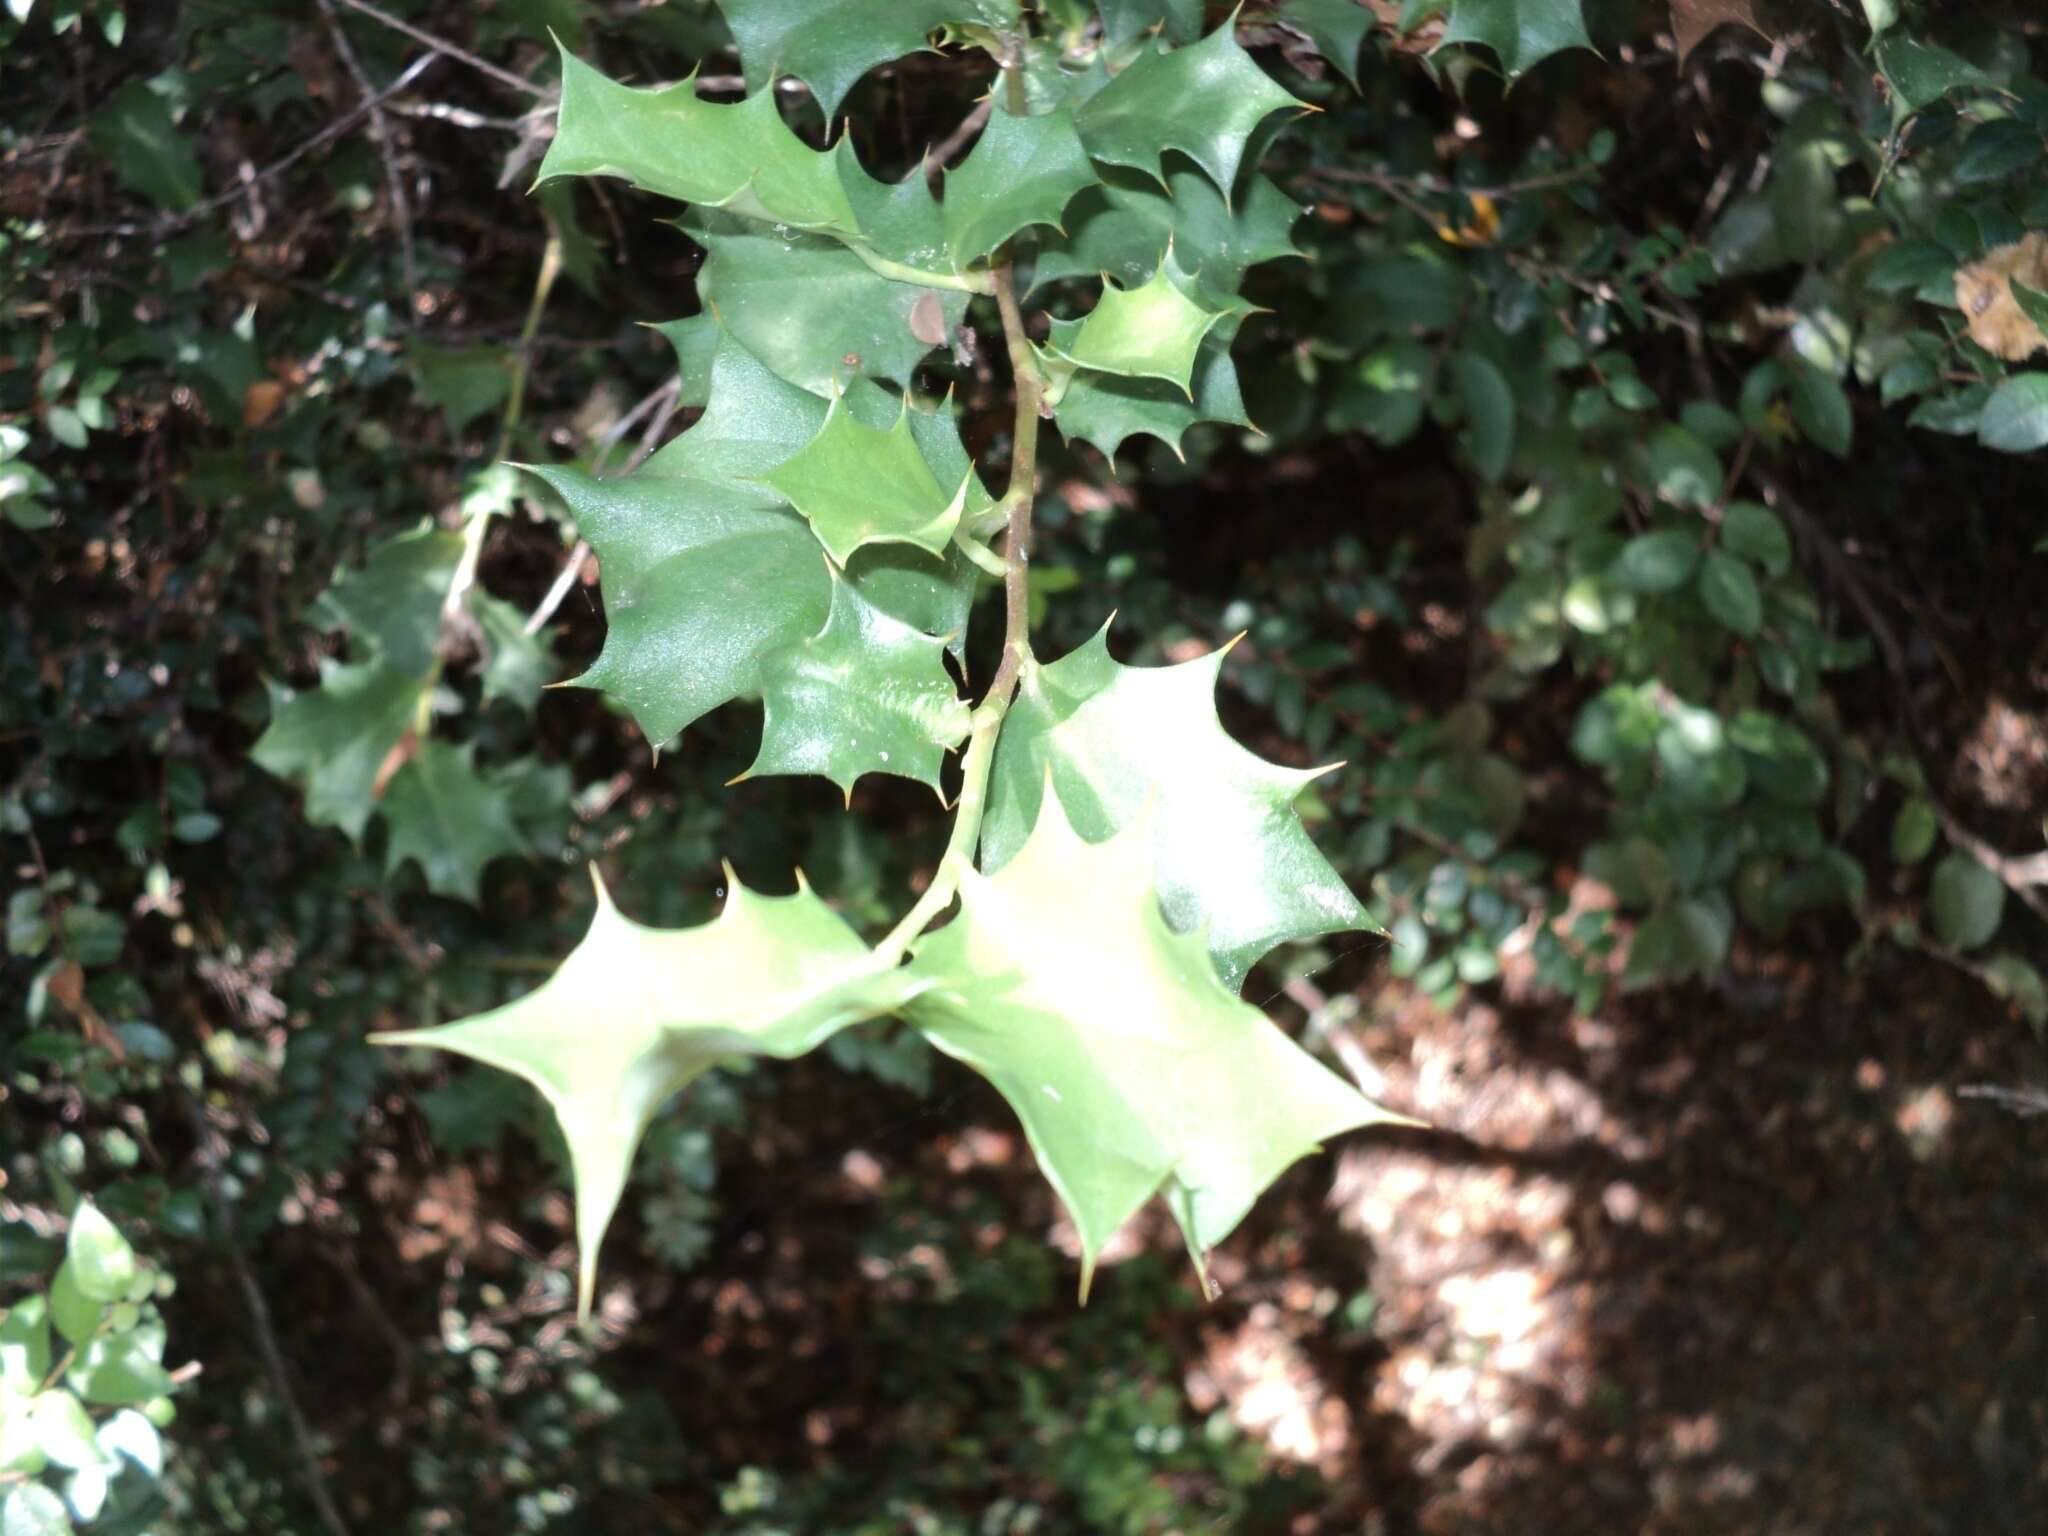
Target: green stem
898, 272
479, 524
986, 724
958, 858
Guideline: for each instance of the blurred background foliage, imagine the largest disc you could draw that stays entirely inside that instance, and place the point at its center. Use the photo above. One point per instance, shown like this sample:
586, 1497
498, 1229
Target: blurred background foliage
1645, 504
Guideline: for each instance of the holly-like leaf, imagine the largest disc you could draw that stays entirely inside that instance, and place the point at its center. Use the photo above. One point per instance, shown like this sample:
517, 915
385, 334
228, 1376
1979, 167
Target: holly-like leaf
859, 485
1337, 28
1129, 1063
1178, 20
515, 663
1203, 100
1522, 33
395, 599
331, 740
1106, 410
810, 308
1152, 331
706, 572
1234, 861
635, 1013
441, 813
740, 160
829, 44
740, 155
1124, 227
1022, 171
866, 694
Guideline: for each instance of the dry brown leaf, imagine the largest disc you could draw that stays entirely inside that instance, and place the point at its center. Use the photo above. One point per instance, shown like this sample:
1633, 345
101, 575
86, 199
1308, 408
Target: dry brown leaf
261, 401
928, 319
1693, 20
1984, 290
1427, 34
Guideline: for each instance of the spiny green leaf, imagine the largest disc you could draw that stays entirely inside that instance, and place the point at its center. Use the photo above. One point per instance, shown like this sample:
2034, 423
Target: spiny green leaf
394, 600
858, 485
1522, 33
1022, 171
1178, 20
829, 44
635, 1013
1124, 227
1203, 100
1124, 1056
695, 339
740, 156
1149, 332
866, 694
1234, 860
331, 740
1106, 410
1337, 28
440, 812
516, 663
811, 309
705, 572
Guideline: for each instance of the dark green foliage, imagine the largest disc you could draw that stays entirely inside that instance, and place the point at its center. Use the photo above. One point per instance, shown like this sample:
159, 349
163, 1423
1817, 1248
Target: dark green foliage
1631, 695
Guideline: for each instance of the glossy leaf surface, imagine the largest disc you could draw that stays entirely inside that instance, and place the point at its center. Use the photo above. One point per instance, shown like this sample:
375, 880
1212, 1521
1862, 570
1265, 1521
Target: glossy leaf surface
829, 44
1021, 171
1521, 33
1152, 331
866, 694
860, 485
635, 1013
1124, 1056
1232, 858
1203, 100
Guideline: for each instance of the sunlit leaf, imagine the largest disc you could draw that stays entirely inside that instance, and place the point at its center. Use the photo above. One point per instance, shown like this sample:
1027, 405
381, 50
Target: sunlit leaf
1124, 1056
1233, 859
636, 1013
866, 694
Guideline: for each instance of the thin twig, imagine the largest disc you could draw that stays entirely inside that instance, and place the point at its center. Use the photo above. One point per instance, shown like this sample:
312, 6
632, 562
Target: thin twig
442, 45
380, 131
987, 719
2024, 1102
2024, 877
941, 154
170, 222
210, 1148
571, 569
1387, 182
